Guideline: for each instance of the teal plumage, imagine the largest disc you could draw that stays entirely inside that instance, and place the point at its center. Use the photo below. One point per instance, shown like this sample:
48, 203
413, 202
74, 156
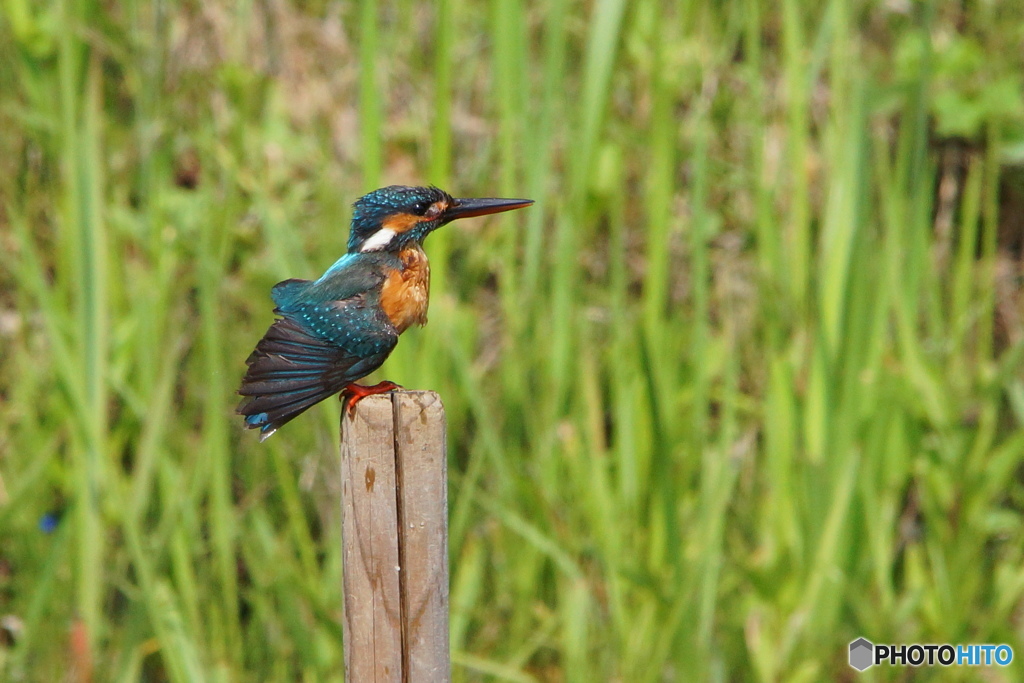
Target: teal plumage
339, 328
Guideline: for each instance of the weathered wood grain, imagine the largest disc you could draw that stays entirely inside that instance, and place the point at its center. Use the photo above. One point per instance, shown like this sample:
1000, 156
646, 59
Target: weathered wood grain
395, 537
423, 515
372, 610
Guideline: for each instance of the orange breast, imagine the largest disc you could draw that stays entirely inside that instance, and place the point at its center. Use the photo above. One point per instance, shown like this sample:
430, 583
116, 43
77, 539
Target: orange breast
406, 291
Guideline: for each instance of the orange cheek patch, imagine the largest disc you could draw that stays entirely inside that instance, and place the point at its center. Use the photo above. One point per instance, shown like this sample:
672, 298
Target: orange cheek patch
401, 222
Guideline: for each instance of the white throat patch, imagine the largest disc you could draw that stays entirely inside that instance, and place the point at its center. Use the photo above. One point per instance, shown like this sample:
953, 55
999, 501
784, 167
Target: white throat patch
378, 240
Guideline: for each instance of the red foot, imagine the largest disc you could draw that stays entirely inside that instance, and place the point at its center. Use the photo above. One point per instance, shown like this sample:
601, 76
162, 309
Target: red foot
354, 393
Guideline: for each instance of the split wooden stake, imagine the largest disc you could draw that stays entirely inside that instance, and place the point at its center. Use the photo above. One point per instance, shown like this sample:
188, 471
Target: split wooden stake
395, 539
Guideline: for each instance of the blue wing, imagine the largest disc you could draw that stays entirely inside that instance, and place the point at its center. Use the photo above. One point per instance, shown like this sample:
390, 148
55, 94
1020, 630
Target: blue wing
332, 332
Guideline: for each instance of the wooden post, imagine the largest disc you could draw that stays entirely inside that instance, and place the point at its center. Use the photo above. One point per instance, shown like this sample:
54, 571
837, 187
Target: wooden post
395, 537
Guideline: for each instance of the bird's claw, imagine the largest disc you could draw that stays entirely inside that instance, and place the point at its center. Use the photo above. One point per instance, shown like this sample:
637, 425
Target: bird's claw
354, 393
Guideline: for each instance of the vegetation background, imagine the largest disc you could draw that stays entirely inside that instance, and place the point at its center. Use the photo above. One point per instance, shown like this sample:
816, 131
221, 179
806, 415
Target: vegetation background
744, 385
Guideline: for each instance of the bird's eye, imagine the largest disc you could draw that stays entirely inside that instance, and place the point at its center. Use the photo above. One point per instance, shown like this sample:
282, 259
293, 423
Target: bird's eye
420, 208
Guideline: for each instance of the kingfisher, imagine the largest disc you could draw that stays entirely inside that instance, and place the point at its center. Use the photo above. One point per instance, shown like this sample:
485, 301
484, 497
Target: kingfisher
334, 331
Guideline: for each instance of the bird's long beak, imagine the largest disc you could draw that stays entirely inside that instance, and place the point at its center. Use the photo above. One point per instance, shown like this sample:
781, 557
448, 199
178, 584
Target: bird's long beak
467, 208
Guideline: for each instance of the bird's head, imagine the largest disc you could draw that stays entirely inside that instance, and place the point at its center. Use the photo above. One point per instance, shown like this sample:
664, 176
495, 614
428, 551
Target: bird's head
392, 218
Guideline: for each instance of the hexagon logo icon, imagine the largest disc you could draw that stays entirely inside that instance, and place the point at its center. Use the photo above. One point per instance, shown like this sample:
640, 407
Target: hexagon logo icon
861, 651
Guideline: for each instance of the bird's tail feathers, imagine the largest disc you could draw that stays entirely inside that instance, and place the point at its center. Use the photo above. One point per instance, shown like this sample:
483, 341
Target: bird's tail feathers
289, 371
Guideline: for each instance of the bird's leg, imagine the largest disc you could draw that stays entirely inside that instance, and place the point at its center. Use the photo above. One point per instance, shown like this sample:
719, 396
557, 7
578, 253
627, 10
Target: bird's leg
354, 393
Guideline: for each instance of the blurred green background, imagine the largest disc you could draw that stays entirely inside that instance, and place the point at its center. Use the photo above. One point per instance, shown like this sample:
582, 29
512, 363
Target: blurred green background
744, 385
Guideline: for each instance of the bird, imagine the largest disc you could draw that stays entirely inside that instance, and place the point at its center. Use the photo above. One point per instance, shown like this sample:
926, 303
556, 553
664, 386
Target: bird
331, 332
